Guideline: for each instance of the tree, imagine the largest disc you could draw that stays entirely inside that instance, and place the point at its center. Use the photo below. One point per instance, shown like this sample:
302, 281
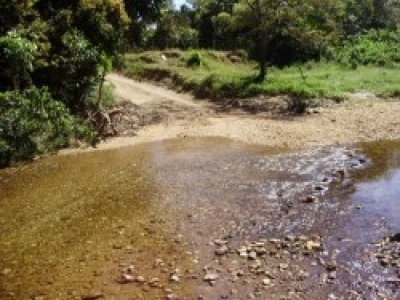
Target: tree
19, 54
81, 33
308, 20
14, 13
209, 24
53, 55
142, 14
173, 29
364, 15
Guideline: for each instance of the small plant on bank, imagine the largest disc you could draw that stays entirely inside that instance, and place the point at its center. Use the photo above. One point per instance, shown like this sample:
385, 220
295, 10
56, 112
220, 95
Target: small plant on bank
194, 60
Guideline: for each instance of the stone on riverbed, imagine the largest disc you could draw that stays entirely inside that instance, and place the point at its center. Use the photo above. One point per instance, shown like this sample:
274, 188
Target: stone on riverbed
222, 250
209, 277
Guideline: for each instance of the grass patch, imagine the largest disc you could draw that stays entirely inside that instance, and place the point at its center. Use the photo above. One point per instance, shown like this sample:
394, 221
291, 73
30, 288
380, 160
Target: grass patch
219, 76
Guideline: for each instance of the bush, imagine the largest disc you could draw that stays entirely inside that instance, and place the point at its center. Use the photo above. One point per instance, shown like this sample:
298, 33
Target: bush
194, 60
73, 71
18, 54
107, 95
376, 47
33, 123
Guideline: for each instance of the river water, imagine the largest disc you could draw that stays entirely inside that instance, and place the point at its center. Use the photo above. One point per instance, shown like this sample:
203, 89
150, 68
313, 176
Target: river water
70, 224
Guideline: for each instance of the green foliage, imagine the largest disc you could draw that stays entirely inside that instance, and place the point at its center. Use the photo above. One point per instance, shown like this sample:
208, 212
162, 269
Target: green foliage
142, 14
107, 95
18, 49
52, 57
73, 71
306, 22
33, 123
103, 23
222, 24
376, 47
173, 30
13, 12
224, 79
194, 60
361, 16
19, 54
212, 19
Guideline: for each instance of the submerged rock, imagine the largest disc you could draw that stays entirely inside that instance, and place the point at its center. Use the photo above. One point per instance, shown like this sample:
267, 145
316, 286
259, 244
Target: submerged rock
310, 199
210, 277
126, 278
222, 250
92, 296
395, 238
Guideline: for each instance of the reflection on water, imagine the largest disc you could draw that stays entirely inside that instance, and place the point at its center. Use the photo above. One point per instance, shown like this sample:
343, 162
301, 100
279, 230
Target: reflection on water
378, 190
383, 197
385, 156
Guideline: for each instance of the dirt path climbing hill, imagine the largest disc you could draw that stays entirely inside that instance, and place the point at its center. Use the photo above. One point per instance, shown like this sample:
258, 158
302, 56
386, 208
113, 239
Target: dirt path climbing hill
142, 92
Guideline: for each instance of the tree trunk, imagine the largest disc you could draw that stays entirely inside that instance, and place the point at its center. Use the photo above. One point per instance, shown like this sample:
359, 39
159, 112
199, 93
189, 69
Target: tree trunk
103, 77
262, 69
262, 75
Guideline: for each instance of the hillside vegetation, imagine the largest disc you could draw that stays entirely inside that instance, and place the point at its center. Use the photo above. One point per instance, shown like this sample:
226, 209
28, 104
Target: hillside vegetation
230, 74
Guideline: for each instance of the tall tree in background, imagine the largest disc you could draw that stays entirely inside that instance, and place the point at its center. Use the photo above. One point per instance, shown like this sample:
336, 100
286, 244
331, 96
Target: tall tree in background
363, 15
311, 20
209, 24
173, 29
142, 14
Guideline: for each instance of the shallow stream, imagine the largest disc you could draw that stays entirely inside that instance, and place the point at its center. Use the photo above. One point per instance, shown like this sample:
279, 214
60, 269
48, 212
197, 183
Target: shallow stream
71, 224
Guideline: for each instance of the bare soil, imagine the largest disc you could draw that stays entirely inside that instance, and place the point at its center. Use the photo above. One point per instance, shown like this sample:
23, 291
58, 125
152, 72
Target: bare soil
154, 113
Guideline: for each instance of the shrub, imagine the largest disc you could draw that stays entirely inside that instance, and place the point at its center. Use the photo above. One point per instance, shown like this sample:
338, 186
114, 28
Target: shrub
33, 123
375, 47
194, 60
73, 71
18, 56
107, 95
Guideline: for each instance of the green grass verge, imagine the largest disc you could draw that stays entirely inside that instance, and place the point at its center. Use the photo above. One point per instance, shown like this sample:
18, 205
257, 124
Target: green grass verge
222, 75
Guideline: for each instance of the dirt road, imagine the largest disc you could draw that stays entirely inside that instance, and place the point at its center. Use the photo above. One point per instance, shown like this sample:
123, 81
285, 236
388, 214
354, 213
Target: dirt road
142, 92
359, 119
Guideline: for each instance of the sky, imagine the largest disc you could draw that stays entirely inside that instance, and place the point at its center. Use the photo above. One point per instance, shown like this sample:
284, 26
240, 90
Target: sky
178, 3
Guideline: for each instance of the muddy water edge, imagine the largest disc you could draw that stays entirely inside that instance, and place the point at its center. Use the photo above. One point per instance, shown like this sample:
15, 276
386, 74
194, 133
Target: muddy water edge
203, 219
